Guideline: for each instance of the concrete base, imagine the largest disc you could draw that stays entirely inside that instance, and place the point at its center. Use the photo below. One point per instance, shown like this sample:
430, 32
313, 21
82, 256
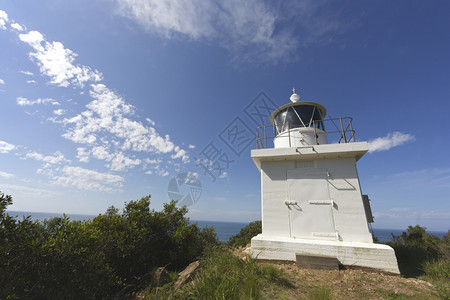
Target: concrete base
317, 261
364, 255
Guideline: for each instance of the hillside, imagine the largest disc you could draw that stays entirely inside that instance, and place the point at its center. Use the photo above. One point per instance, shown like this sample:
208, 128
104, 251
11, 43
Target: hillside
348, 284
231, 274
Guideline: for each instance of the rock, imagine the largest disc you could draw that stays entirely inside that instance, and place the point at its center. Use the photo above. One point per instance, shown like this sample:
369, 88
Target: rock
185, 275
160, 277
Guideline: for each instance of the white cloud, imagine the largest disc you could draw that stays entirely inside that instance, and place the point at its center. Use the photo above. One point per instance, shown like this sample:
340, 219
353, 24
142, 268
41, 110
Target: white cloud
17, 26
163, 173
223, 175
108, 113
56, 158
106, 127
389, 141
3, 19
117, 161
152, 161
88, 179
149, 172
31, 81
57, 62
22, 101
180, 153
83, 154
59, 112
28, 73
27, 191
2, 81
150, 121
6, 175
6, 147
253, 30
191, 147
121, 162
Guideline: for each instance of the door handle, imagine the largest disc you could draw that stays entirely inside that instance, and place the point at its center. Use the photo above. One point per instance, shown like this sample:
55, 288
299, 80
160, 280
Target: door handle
287, 202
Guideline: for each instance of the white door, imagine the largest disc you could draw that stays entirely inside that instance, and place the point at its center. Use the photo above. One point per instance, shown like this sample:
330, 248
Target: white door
309, 204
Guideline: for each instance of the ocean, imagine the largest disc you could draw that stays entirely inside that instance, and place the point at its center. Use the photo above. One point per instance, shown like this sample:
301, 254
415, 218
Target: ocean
224, 230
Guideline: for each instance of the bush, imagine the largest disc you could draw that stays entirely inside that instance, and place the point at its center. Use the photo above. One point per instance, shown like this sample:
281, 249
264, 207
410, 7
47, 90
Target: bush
244, 237
63, 259
413, 248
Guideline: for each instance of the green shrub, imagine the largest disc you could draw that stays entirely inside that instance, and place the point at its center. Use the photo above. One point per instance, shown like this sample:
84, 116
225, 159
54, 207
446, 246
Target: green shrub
102, 258
413, 248
244, 237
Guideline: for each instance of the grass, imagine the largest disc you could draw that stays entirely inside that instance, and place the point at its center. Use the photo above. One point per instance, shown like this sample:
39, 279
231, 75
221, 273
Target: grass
438, 273
320, 293
222, 275
225, 276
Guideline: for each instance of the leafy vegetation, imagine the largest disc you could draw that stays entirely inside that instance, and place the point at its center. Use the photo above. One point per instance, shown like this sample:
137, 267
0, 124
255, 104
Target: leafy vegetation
117, 253
225, 276
111, 255
244, 237
420, 254
415, 247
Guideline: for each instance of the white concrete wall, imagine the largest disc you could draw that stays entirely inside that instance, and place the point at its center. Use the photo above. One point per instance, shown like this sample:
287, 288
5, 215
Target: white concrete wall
275, 216
343, 188
296, 174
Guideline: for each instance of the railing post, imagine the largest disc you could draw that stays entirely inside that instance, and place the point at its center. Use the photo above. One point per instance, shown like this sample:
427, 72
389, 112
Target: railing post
343, 131
257, 138
353, 132
265, 137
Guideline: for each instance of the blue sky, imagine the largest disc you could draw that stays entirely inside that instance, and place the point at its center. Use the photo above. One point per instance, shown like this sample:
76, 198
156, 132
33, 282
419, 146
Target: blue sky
104, 102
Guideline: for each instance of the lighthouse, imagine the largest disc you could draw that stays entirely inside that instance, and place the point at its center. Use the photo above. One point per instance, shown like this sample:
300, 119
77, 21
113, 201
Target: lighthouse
311, 199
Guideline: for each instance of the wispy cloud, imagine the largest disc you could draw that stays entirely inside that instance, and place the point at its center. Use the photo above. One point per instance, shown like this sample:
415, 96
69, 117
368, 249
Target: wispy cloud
107, 128
57, 62
389, 141
6, 147
6, 175
2, 81
88, 179
22, 101
109, 115
59, 112
27, 191
253, 30
56, 158
17, 27
3, 19
58, 169
117, 161
28, 73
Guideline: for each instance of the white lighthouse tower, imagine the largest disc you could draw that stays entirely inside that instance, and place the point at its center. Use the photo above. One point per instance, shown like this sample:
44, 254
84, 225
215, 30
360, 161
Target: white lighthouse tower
311, 197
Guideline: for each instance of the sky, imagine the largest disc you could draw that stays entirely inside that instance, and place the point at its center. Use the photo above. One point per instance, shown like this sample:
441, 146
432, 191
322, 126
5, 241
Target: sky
107, 101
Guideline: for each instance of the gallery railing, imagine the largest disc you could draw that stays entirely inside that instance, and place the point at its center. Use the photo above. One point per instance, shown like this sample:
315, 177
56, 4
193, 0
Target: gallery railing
342, 133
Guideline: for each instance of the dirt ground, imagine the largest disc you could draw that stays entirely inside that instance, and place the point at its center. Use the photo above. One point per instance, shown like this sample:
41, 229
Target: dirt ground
348, 284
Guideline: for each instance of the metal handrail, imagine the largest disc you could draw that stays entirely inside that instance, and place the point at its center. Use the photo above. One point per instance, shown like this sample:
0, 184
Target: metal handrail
343, 133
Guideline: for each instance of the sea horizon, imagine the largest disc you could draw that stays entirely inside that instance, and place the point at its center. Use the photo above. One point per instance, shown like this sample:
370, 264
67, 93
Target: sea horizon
224, 229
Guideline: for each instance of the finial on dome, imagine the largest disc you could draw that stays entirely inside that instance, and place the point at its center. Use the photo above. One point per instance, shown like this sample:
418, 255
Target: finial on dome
294, 97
